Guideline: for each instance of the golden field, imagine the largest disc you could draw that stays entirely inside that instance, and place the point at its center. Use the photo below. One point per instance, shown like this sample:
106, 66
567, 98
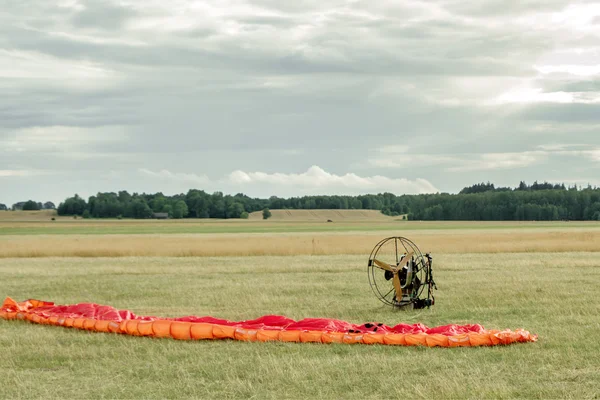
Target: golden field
32, 234
288, 244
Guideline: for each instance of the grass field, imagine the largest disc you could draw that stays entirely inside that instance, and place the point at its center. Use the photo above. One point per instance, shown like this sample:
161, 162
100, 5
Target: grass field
482, 273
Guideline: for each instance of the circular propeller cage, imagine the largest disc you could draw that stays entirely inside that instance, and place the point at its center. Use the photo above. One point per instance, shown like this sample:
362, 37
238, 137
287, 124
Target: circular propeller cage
400, 275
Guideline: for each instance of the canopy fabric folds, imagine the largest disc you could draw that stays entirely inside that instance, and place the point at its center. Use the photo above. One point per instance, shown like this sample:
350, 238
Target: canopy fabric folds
101, 318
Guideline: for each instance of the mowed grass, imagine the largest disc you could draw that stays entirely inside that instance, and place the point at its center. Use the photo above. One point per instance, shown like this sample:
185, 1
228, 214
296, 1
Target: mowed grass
553, 295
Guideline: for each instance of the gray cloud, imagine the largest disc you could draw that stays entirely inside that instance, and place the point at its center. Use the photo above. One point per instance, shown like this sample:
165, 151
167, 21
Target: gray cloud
103, 15
204, 89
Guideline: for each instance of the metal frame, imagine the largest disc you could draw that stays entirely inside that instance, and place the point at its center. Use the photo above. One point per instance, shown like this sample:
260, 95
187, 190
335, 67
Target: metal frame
418, 268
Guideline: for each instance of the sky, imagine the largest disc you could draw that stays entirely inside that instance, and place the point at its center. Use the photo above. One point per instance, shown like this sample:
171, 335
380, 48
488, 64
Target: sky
289, 98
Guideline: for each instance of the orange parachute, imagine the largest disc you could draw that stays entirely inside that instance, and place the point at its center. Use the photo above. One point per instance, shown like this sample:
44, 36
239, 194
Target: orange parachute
99, 318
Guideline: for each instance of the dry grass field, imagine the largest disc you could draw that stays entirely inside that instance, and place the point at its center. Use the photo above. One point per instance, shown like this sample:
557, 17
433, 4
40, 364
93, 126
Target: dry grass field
260, 244
543, 277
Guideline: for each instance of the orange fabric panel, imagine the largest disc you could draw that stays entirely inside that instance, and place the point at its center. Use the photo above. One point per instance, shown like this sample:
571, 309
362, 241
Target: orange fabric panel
69, 322
395, 338
161, 328
246, 335
9, 303
264, 335
181, 330
480, 339
416, 339
10, 315
459, 340
373, 338
89, 324
78, 323
436, 339
223, 332
102, 326
508, 337
201, 331
131, 327
332, 337
311, 336
145, 328
289, 336
352, 338
113, 327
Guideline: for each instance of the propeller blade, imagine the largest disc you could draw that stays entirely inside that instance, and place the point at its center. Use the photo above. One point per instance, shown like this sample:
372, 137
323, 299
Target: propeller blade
383, 265
397, 287
406, 259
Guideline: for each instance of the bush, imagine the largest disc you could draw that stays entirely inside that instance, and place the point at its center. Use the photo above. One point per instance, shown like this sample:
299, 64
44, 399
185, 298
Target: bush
86, 214
266, 213
53, 219
244, 215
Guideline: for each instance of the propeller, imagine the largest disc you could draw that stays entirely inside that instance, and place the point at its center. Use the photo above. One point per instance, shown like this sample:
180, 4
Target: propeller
383, 265
394, 270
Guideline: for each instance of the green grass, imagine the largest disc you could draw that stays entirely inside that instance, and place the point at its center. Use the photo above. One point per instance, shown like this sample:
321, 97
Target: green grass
102, 227
549, 294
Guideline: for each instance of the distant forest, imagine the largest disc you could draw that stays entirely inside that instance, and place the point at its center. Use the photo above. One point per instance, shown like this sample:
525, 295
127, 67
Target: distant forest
480, 202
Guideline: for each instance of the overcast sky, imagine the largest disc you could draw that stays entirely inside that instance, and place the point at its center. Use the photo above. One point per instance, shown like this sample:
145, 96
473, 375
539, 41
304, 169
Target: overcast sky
273, 97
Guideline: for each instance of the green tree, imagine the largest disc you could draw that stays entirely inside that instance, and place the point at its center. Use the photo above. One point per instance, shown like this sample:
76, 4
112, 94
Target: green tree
234, 210
266, 213
72, 206
139, 209
30, 205
180, 209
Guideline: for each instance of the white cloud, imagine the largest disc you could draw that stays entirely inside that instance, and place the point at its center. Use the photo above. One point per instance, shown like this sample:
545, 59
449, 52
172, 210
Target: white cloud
560, 146
315, 178
578, 70
9, 173
35, 68
395, 149
594, 154
458, 162
532, 95
175, 176
61, 139
493, 161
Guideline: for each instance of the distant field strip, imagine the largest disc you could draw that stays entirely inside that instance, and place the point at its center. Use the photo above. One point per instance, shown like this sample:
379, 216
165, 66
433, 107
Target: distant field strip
487, 241
126, 227
323, 215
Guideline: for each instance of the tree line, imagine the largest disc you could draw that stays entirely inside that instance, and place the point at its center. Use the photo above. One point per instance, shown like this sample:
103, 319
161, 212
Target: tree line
479, 202
29, 205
